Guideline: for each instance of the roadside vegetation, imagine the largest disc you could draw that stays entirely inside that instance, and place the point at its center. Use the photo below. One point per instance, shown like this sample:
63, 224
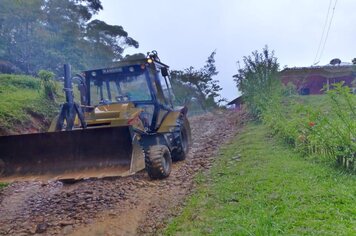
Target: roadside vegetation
320, 127
23, 98
259, 186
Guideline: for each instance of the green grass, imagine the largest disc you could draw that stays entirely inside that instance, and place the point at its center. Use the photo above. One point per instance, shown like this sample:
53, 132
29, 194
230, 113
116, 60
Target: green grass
3, 185
270, 191
21, 96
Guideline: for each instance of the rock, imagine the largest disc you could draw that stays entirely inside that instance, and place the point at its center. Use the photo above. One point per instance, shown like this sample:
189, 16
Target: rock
65, 223
41, 228
149, 229
82, 203
67, 229
237, 158
88, 221
22, 234
33, 230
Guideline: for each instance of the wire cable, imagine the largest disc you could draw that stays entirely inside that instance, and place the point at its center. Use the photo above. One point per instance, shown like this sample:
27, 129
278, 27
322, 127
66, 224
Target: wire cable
327, 32
322, 35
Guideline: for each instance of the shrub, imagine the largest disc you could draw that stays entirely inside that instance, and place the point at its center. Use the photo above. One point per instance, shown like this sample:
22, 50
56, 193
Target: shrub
48, 84
323, 132
258, 80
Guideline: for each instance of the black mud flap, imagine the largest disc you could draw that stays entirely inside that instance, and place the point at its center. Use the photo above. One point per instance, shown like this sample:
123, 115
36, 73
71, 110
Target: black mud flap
61, 153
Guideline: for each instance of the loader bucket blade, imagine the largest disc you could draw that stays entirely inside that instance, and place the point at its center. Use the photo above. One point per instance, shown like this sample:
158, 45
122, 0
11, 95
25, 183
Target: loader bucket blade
76, 154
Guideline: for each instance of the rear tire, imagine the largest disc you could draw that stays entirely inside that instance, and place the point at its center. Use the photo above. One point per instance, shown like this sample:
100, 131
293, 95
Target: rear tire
183, 142
158, 162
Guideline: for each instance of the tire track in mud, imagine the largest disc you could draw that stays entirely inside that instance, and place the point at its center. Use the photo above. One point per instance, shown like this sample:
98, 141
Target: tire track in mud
119, 206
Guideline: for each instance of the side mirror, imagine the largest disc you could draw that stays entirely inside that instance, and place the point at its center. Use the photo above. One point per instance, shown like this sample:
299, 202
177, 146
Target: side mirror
164, 71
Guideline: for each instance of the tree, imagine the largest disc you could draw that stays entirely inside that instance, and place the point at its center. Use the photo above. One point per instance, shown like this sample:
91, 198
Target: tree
136, 56
335, 61
258, 80
212, 90
184, 93
107, 42
18, 32
45, 34
207, 89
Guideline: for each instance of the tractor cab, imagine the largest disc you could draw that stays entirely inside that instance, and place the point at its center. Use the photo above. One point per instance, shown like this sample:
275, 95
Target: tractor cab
144, 83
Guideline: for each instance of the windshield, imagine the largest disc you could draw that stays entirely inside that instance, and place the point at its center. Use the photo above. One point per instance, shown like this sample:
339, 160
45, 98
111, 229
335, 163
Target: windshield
119, 88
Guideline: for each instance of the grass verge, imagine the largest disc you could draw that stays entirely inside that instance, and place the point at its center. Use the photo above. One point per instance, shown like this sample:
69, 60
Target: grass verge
22, 98
271, 190
3, 185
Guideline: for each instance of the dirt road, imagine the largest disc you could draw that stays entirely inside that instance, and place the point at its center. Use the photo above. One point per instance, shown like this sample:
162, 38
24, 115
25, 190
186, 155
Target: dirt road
120, 206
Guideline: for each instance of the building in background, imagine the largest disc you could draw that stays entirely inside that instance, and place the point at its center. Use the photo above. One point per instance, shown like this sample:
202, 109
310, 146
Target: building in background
313, 80
236, 103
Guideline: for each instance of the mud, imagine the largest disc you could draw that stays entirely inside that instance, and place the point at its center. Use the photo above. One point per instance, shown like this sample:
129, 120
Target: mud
133, 205
70, 177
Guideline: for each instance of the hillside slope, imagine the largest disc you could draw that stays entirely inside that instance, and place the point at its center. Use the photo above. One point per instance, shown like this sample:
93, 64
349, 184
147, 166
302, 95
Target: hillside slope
23, 108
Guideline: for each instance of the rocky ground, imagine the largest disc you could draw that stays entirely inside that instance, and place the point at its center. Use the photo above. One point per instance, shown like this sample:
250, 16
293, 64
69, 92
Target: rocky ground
119, 206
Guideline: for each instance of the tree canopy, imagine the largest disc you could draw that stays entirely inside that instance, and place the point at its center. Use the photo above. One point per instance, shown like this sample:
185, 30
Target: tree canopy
45, 34
198, 84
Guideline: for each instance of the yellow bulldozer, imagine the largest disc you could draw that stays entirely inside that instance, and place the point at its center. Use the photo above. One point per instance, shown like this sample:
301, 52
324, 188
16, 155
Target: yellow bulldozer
125, 122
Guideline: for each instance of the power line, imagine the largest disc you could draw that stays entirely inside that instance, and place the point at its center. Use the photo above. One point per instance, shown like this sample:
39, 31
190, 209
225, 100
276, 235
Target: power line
322, 35
327, 32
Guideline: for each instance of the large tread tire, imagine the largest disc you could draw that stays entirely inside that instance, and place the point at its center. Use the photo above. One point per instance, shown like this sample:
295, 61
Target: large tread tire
158, 162
183, 141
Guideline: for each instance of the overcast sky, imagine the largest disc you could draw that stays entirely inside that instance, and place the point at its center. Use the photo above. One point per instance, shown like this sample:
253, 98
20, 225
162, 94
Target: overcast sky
185, 32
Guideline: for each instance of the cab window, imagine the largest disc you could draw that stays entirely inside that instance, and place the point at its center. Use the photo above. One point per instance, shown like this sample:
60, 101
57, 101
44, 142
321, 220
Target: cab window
161, 98
166, 88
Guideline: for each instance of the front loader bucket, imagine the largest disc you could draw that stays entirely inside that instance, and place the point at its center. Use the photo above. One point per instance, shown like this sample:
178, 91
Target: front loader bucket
77, 154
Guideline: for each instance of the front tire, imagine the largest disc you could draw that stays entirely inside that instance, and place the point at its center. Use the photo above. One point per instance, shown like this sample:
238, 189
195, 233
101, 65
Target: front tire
158, 162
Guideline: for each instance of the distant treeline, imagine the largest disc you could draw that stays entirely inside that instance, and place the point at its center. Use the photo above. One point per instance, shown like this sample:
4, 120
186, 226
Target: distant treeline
45, 34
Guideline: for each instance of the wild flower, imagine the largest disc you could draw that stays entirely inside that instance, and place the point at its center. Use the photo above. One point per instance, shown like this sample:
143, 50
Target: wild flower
311, 124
